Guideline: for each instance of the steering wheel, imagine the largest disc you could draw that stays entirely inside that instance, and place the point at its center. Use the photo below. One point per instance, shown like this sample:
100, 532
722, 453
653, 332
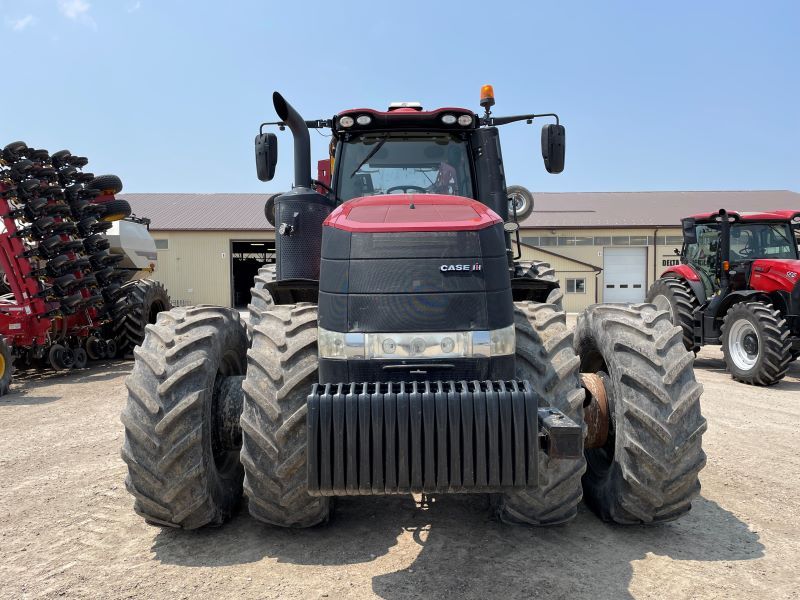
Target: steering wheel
746, 251
405, 188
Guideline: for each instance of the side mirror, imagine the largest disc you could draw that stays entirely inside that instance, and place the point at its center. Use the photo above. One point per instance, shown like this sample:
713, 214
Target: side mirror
553, 147
266, 155
689, 233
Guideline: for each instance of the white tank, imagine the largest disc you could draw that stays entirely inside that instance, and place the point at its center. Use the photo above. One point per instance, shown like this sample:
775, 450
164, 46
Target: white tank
134, 242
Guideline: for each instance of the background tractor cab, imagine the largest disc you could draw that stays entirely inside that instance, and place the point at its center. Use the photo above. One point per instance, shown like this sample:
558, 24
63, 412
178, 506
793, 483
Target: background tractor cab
739, 286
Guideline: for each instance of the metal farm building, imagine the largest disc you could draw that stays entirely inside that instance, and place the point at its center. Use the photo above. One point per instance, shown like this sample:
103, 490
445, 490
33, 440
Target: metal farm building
605, 247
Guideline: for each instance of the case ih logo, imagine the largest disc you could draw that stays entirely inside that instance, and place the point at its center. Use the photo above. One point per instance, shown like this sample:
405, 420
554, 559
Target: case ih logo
473, 267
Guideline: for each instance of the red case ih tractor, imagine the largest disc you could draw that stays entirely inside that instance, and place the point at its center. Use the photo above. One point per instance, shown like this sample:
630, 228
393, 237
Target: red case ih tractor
738, 285
398, 346
67, 294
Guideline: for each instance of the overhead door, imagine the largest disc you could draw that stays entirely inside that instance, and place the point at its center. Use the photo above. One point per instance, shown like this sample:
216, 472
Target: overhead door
624, 274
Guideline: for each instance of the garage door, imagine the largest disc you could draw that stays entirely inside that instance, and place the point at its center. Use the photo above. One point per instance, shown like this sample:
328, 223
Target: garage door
624, 274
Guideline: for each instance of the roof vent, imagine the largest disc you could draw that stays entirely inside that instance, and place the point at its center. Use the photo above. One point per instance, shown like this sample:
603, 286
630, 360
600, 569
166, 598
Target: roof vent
412, 105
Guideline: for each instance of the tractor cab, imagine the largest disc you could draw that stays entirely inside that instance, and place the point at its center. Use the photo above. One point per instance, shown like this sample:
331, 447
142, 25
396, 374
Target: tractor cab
753, 245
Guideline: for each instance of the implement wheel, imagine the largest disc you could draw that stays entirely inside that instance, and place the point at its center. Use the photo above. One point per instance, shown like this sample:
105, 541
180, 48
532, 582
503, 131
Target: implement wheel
755, 343
545, 357
183, 461
646, 472
281, 367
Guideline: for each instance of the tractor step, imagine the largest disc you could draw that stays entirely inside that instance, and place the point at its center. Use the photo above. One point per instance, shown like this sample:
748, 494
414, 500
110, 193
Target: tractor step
431, 436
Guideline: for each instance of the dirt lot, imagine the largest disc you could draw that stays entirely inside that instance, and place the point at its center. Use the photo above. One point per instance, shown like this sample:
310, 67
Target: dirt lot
68, 529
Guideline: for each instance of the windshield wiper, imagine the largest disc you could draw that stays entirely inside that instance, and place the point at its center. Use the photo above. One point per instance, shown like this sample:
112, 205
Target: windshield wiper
372, 153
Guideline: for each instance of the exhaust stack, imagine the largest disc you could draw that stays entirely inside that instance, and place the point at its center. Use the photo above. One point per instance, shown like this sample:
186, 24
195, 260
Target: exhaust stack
302, 143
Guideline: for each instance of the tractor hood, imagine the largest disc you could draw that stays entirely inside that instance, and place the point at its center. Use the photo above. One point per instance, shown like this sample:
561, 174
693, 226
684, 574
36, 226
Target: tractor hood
772, 275
412, 212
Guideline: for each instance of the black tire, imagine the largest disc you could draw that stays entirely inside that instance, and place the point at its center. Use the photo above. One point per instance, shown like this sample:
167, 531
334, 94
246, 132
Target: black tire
647, 471
523, 199
767, 331
146, 298
536, 269
281, 367
81, 358
95, 348
175, 474
116, 210
677, 298
6, 367
106, 183
545, 357
60, 357
260, 298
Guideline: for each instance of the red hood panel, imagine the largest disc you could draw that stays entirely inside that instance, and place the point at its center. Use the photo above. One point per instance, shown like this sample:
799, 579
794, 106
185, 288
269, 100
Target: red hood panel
770, 275
430, 212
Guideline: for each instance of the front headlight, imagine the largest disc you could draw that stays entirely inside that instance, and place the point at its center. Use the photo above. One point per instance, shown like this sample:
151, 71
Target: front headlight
333, 344
422, 345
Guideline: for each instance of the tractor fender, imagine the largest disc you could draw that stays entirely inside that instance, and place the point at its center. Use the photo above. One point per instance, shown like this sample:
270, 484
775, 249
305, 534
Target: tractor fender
690, 276
741, 296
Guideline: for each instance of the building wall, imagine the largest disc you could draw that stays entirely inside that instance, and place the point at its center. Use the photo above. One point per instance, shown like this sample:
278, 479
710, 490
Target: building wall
574, 301
587, 245
196, 265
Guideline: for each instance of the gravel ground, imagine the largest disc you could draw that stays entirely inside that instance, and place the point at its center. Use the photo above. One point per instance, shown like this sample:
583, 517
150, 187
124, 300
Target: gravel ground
68, 528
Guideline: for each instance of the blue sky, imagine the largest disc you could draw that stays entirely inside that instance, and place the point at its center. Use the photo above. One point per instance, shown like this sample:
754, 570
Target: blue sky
168, 94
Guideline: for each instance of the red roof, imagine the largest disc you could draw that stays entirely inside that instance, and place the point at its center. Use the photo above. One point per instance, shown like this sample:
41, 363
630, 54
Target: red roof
772, 215
412, 212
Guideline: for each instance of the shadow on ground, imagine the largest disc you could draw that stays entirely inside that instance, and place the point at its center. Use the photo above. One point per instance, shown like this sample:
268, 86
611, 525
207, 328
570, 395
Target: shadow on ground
463, 553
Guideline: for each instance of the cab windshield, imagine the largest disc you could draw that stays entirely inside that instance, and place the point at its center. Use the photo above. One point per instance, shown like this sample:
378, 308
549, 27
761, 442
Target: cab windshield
762, 240
397, 163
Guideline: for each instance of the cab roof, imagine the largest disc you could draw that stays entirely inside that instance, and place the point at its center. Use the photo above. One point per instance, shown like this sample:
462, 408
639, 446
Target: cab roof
773, 215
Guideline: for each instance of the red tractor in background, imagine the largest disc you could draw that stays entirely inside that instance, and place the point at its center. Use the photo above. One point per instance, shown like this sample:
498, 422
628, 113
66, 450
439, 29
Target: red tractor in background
738, 285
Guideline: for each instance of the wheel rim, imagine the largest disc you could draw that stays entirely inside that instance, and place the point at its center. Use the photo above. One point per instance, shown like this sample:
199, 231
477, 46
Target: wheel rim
601, 460
519, 202
663, 303
743, 346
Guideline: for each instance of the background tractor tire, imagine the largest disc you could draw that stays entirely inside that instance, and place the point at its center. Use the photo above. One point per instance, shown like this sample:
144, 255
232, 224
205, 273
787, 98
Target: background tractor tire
522, 198
647, 471
116, 210
106, 183
755, 343
536, 269
281, 367
260, 298
177, 474
677, 298
545, 357
146, 298
6, 367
